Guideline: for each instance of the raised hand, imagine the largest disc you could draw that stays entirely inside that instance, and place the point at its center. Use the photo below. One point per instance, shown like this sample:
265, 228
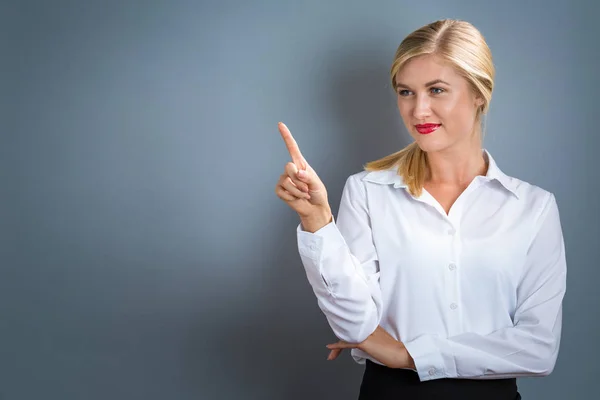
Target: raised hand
301, 188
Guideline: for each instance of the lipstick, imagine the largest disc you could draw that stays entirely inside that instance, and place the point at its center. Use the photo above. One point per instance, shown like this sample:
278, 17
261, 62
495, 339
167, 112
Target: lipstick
427, 128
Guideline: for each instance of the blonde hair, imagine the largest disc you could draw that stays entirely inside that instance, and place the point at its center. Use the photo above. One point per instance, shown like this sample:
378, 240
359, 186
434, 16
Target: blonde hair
461, 46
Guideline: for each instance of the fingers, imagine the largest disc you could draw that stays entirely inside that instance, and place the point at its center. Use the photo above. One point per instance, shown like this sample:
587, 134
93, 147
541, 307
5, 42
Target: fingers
342, 345
333, 354
299, 177
284, 194
292, 146
286, 190
292, 189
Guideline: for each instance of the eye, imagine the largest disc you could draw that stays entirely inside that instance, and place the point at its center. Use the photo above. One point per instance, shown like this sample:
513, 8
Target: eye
403, 92
436, 90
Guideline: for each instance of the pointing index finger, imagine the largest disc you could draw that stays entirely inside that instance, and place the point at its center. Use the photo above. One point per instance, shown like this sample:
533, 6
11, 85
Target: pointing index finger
292, 146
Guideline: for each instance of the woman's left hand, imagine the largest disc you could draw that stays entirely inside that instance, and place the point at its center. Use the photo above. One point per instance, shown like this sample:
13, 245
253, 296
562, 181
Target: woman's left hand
381, 346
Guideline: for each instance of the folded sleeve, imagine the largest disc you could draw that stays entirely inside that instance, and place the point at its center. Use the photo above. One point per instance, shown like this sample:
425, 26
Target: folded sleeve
342, 267
530, 347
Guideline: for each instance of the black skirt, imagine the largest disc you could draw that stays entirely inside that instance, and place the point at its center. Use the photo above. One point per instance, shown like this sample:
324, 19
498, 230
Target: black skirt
383, 383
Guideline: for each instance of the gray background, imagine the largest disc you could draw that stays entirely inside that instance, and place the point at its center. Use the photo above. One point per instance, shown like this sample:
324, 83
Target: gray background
144, 252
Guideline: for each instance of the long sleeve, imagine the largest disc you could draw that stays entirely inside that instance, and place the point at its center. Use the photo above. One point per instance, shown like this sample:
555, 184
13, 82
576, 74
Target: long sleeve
342, 267
530, 347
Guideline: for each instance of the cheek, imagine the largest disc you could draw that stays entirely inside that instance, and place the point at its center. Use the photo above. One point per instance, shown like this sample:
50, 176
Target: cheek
459, 122
454, 113
447, 108
405, 109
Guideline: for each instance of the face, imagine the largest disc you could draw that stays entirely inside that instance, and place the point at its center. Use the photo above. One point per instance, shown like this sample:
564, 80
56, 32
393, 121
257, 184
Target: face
437, 105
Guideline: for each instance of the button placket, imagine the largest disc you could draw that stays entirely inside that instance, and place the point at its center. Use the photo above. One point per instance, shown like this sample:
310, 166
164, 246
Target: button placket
454, 276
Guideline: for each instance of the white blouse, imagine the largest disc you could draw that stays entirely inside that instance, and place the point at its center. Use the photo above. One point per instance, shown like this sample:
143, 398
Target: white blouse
476, 293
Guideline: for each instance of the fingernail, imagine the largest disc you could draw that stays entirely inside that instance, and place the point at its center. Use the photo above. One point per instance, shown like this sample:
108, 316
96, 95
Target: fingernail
302, 173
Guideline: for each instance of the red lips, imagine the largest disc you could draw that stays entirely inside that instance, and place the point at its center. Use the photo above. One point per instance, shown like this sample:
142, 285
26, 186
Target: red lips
427, 128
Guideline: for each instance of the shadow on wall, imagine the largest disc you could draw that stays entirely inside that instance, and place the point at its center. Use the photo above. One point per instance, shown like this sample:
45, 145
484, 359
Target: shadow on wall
273, 346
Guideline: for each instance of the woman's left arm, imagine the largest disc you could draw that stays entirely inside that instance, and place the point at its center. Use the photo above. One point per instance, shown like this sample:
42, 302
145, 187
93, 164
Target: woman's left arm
529, 347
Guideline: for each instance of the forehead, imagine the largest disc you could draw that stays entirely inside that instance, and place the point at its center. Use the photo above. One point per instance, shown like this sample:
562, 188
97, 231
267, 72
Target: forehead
426, 68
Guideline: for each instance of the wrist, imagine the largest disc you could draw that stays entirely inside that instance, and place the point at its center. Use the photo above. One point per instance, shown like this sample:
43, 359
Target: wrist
410, 362
403, 358
314, 222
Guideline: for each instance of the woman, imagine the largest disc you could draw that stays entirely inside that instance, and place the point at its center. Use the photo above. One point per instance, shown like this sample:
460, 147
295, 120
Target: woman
443, 275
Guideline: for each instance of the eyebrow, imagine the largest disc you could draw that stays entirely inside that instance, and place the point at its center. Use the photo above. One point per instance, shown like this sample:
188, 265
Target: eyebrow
433, 82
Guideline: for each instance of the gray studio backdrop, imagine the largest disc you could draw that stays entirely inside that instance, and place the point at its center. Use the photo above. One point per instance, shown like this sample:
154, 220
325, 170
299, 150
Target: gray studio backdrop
145, 254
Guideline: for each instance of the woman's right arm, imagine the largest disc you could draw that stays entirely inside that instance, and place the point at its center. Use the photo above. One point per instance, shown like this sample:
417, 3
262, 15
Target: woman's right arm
340, 259
342, 266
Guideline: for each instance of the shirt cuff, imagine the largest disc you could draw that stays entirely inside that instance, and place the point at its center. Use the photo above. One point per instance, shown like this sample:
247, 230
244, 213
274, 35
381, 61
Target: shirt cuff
324, 241
429, 360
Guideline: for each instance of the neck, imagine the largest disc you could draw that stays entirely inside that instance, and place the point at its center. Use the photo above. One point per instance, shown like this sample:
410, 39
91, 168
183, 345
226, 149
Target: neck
456, 166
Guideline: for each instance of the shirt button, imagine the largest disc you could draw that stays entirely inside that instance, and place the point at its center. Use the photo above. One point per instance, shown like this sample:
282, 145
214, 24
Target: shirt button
451, 231
313, 247
454, 306
452, 267
432, 371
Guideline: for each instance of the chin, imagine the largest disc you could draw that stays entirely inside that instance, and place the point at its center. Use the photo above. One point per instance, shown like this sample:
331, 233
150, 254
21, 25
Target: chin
430, 146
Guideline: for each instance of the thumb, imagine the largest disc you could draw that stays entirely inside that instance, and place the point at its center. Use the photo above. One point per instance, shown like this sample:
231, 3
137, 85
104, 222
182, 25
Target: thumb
306, 174
303, 175
310, 177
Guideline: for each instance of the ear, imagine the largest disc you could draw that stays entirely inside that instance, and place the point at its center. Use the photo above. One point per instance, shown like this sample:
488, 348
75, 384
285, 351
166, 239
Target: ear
479, 101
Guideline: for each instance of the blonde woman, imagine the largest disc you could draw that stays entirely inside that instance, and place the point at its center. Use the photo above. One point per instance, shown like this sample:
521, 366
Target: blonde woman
443, 275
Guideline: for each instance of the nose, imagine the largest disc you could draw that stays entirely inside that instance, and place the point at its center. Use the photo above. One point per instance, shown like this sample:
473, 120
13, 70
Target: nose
421, 109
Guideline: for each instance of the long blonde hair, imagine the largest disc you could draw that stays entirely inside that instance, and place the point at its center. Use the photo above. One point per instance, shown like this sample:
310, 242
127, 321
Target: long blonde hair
463, 47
